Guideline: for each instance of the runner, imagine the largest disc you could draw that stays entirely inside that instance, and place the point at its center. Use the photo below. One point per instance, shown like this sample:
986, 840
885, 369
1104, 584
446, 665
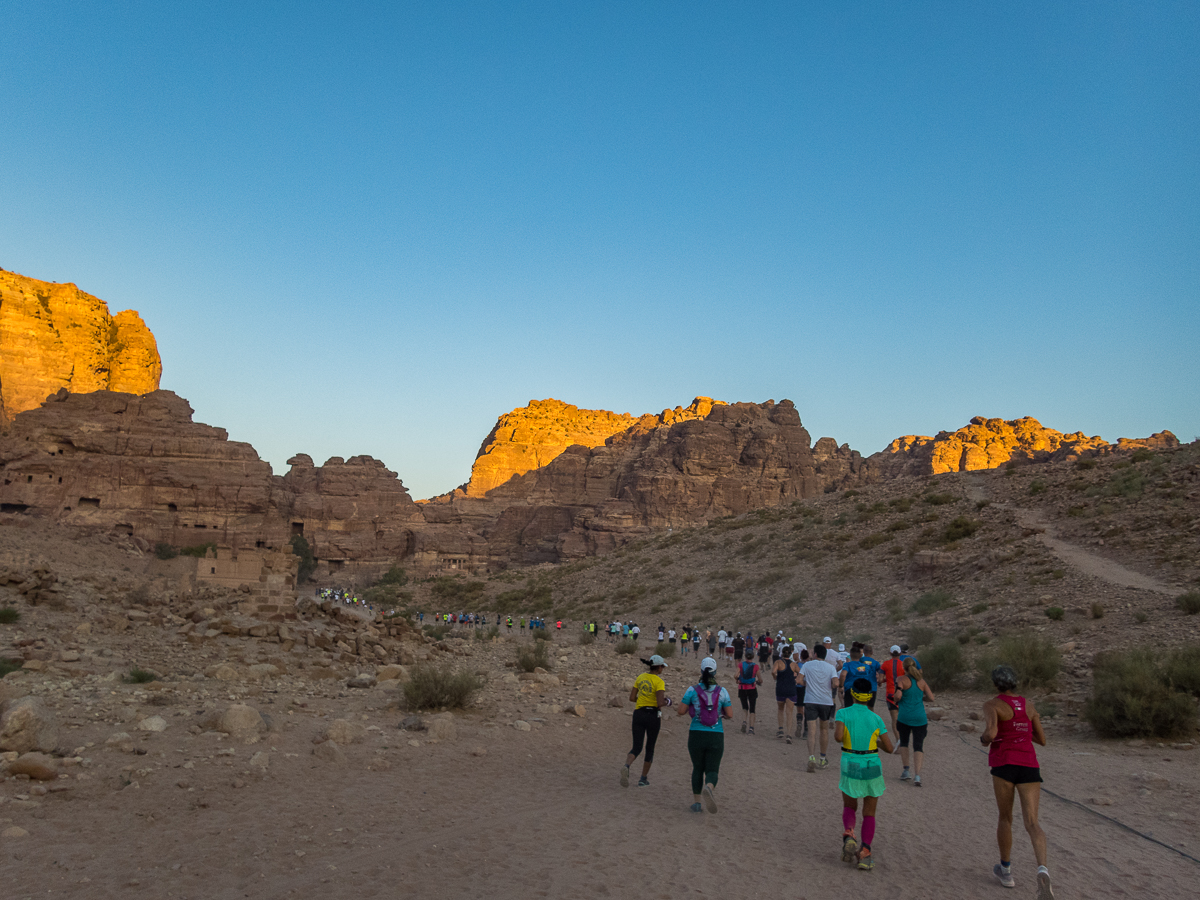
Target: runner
892, 668
712, 642
707, 703
635, 631
1011, 728
722, 638
684, 640
661, 632
819, 679
764, 650
696, 641
671, 636
800, 657
784, 671
860, 732
853, 669
749, 678
911, 694
739, 646
649, 692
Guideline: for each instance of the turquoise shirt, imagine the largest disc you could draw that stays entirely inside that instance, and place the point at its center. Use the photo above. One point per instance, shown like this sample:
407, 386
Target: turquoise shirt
690, 699
912, 706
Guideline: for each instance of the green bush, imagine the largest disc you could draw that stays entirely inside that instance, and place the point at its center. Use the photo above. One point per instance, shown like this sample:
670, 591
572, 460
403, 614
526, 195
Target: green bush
587, 638
199, 550
1133, 697
1085, 463
1140, 617
932, 601
627, 646
308, 563
1037, 486
664, 649
1097, 610
1183, 669
920, 636
457, 591
1035, 660
139, 676
9, 665
1189, 602
873, 540
165, 551
940, 499
8, 616
943, 664
1141, 454
487, 634
979, 608
395, 575
437, 632
533, 656
1055, 613
960, 528
434, 687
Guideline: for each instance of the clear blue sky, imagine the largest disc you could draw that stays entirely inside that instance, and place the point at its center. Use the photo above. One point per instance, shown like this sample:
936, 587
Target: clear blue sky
375, 227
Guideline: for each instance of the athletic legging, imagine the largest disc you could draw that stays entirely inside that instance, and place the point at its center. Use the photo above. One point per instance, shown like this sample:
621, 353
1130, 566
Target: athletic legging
748, 698
646, 724
918, 733
706, 749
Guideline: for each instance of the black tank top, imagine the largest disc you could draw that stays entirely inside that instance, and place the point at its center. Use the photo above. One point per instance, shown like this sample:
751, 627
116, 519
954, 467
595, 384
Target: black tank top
785, 681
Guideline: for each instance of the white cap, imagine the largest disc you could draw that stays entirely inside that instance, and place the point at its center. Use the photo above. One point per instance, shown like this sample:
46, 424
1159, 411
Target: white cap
657, 660
797, 647
895, 648
841, 648
708, 663
827, 640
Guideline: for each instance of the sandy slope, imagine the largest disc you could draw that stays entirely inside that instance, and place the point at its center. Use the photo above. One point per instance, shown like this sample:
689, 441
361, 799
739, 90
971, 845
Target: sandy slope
541, 815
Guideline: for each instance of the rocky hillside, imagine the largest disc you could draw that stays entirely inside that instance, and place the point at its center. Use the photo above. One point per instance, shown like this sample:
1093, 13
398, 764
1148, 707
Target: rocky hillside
54, 336
991, 443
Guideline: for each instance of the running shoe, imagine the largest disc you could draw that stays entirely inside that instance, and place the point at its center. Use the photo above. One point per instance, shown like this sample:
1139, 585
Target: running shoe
643, 782
822, 763
778, 733
905, 775
710, 802
849, 847
1044, 892
624, 776
744, 728
812, 764
788, 739
696, 807
865, 862
752, 729
917, 781
1005, 878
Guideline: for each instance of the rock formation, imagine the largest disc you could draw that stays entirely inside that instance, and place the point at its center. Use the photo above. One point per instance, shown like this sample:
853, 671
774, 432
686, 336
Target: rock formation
991, 443
55, 336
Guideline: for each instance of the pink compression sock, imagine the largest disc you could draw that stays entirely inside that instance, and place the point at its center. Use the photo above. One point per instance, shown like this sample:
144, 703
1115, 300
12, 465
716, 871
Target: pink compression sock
848, 817
868, 833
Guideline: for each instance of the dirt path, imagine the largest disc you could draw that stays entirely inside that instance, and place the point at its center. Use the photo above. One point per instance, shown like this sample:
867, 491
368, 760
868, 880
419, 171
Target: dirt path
1084, 560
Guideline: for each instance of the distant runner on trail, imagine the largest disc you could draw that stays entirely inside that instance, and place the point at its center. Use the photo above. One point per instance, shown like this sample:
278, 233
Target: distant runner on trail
911, 694
1011, 728
749, 678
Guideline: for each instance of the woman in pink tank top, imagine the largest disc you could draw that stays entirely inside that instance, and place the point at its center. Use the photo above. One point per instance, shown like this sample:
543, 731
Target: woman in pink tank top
1012, 728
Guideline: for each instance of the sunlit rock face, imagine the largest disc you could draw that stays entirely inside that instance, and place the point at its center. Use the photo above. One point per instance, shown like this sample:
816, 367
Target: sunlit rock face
985, 444
55, 336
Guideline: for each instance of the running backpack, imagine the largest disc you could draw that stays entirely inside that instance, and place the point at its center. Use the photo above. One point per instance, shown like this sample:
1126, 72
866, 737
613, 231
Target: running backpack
746, 677
710, 705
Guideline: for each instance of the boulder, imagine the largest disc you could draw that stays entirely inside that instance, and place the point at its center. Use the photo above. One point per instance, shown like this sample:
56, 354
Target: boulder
343, 732
392, 673
241, 722
37, 766
330, 752
153, 723
443, 729
263, 670
364, 680
27, 725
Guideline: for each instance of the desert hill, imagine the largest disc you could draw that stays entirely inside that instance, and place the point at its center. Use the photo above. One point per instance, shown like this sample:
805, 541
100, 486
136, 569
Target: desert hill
55, 336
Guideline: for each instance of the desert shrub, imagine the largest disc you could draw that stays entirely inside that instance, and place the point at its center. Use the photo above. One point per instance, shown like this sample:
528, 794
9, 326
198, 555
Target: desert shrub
1037, 486
1141, 454
395, 575
587, 638
437, 632
139, 676
943, 664
308, 562
457, 591
982, 504
665, 649
487, 634
1055, 613
873, 540
960, 528
533, 656
895, 609
433, 687
901, 504
726, 574
627, 646
1132, 696
1140, 617
920, 636
978, 608
1183, 669
1097, 610
9, 665
932, 601
165, 551
939, 499
1189, 602
1086, 463
1126, 483
536, 594
1035, 660
8, 616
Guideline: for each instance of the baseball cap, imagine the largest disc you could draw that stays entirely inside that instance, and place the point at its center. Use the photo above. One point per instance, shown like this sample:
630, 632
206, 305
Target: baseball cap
657, 660
827, 640
708, 663
841, 648
895, 648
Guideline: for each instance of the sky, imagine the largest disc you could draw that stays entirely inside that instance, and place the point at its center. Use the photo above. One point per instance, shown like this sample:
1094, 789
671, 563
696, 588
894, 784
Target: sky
372, 228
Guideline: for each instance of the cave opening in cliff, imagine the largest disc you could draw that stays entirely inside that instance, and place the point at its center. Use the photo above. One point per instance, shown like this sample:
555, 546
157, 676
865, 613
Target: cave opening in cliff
89, 501
13, 507
171, 507
298, 528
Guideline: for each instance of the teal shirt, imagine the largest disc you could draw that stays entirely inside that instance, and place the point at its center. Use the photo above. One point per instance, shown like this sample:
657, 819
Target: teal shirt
912, 706
690, 699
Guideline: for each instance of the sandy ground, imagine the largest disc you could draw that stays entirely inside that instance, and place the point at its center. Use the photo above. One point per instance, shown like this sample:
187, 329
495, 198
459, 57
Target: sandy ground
541, 814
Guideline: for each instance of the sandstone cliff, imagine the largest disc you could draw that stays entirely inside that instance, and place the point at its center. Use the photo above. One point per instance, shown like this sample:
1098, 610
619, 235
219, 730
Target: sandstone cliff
991, 443
55, 336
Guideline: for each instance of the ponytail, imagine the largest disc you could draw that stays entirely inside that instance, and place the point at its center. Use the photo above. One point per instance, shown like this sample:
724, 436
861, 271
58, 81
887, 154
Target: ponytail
708, 677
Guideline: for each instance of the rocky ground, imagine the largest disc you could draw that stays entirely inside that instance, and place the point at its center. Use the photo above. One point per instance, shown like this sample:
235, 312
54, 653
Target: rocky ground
271, 761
